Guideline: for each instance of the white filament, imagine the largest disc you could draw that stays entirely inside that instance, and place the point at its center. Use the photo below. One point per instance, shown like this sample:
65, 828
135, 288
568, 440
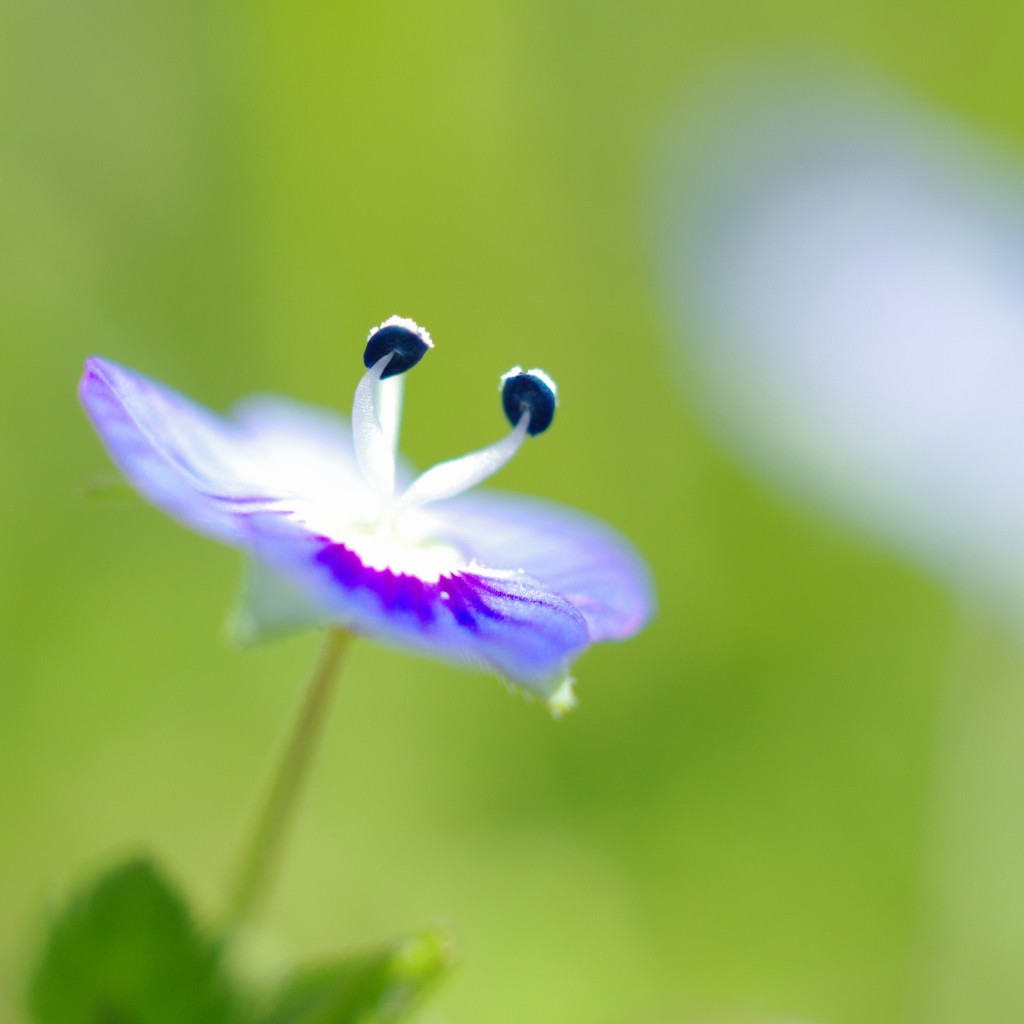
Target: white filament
373, 443
389, 408
447, 479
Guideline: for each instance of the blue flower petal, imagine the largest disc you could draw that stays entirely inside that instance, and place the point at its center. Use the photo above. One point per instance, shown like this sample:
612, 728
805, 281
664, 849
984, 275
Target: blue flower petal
594, 568
505, 620
515, 584
309, 446
196, 466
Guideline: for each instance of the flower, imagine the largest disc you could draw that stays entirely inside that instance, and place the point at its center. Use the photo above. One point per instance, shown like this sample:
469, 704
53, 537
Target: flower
337, 531
845, 268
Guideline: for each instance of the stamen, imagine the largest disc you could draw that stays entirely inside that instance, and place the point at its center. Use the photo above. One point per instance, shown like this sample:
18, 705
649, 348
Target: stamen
400, 337
531, 391
447, 479
374, 453
394, 347
389, 408
529, 400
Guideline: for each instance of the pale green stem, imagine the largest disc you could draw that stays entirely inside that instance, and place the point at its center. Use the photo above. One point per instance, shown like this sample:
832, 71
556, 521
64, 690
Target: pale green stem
263, 854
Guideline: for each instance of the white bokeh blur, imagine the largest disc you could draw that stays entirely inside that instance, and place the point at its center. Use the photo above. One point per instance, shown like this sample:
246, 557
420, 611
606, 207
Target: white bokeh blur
845, 270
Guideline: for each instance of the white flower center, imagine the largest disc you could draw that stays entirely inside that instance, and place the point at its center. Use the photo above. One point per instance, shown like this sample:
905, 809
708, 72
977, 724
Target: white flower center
428, 561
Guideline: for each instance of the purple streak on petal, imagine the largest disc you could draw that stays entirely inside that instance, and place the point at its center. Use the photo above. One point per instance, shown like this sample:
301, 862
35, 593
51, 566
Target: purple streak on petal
194, 465
396, 592
509, 622
568, 553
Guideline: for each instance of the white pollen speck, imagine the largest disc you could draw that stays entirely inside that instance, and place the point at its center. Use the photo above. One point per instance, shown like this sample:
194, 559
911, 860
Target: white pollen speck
409, 325
445, 595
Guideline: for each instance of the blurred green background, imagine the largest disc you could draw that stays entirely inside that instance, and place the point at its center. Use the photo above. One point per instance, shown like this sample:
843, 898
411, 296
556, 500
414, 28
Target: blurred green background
743, 817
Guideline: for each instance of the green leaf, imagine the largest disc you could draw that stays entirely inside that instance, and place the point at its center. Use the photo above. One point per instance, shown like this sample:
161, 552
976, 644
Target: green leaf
381, 987
126, 951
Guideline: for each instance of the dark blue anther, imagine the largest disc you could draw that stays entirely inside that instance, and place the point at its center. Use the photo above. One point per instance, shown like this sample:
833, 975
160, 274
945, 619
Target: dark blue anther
405, 345
530, 391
